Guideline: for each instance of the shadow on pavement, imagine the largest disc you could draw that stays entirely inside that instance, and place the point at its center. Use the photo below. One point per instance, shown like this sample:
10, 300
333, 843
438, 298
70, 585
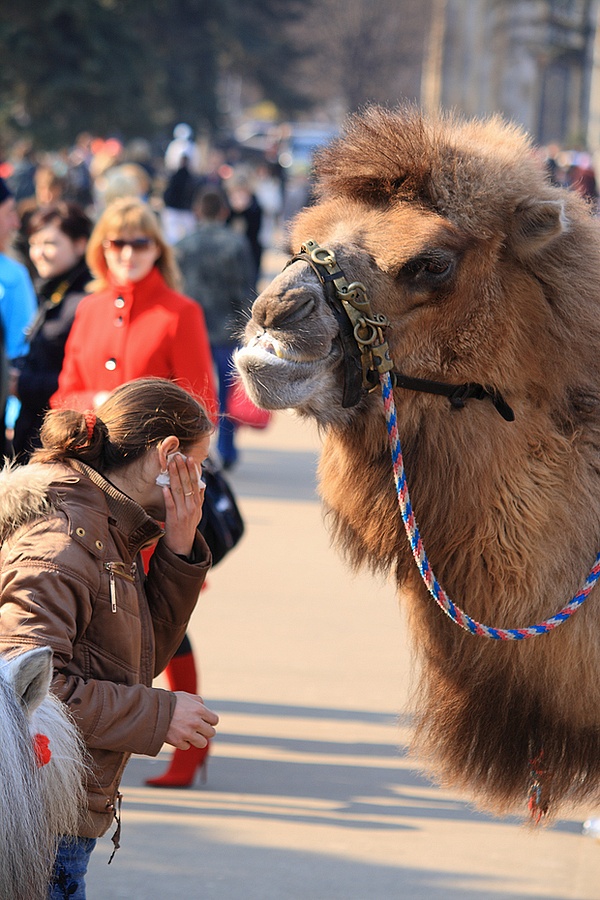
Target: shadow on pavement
206, 841
381, 781
192, 865
348, 796
310, 712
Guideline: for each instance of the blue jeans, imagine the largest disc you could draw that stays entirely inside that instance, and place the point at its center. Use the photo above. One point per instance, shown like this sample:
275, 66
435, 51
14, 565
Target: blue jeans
223, 359
70, 866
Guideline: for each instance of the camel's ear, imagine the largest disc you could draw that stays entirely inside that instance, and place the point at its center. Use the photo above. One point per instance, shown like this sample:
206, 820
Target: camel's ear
535, 223
30, 675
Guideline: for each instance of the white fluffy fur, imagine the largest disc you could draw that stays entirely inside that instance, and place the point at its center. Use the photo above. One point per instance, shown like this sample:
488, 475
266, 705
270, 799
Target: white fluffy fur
37, 804
24, 495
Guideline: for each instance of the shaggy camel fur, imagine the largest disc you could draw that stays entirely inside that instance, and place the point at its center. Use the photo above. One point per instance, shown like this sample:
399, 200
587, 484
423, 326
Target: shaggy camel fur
488, 274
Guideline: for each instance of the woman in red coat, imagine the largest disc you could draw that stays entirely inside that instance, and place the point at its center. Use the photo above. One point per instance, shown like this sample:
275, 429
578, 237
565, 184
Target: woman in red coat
137, 324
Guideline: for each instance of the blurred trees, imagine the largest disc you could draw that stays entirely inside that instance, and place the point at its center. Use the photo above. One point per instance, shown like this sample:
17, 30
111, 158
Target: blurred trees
136, 67
133, 67
364, 51
67, 64
262, 47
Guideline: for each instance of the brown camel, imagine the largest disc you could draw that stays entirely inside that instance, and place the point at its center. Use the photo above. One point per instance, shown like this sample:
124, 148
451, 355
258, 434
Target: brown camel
488, 274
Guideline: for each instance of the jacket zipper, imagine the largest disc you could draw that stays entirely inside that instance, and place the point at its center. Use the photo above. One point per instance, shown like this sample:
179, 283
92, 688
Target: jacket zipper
118, 570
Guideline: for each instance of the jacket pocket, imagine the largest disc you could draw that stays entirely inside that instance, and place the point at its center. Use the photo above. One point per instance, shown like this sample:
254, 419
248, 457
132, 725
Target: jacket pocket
118, 570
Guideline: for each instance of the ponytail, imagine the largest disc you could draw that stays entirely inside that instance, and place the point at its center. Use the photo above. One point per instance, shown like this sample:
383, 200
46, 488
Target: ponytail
135, 416
68, 434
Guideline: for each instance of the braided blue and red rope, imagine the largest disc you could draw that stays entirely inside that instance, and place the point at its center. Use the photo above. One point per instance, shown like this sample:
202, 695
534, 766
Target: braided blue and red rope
437, 592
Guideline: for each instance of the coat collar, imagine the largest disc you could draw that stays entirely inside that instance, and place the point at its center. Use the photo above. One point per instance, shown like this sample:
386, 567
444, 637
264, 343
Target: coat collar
33, 491
145, 289
128, 516
76, 279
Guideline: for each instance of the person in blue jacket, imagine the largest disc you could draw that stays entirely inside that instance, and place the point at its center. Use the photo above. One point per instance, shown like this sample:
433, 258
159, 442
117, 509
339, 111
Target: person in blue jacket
18, 302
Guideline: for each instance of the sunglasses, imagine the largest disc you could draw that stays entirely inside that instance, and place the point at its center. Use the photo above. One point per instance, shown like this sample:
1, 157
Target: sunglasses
119, 243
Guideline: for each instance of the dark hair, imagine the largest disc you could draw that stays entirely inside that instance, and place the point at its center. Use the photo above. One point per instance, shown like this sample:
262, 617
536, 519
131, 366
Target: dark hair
134, 417
70, 218
210, 203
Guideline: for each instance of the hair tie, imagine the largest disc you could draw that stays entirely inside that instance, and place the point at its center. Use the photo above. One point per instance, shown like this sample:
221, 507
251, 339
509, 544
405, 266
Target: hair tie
90, 422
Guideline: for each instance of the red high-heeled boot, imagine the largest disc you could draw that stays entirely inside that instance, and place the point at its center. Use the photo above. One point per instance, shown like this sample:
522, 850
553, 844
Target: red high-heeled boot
181, 676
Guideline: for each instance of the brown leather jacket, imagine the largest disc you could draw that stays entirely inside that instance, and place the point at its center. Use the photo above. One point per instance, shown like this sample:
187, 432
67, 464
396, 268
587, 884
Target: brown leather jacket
70, 578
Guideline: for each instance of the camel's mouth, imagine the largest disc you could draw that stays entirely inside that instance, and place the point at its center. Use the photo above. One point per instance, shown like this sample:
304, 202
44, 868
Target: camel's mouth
271, 345
291, 353
268, 345
277, 375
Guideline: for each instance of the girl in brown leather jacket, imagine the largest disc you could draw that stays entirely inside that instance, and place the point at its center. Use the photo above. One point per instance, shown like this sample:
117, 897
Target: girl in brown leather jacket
72, 523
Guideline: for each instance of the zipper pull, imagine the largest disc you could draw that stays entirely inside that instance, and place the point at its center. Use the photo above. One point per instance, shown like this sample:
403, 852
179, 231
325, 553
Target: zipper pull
112, 588
120, 569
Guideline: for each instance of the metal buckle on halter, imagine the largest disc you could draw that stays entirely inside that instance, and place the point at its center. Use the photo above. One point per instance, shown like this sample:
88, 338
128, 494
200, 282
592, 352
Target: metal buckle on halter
367, 326
324, 265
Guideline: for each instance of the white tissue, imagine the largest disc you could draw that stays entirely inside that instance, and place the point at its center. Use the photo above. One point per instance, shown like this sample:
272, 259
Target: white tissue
164, 480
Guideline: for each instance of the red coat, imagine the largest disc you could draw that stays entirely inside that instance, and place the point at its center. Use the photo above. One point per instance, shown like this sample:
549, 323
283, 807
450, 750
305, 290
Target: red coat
142, 329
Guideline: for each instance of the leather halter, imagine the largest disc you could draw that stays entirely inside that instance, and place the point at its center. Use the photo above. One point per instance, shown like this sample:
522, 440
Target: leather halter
366, 352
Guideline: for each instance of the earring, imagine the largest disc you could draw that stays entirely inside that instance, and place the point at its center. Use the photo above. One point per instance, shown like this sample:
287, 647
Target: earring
163, 479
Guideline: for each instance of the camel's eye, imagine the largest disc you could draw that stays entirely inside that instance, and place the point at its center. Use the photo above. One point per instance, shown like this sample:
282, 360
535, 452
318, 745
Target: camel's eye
429, 270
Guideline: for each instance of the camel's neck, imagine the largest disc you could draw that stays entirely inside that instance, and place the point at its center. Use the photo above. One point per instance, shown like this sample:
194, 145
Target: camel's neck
496, 502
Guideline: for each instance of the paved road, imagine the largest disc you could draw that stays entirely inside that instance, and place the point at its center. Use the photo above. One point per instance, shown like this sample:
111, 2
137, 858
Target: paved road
310, 791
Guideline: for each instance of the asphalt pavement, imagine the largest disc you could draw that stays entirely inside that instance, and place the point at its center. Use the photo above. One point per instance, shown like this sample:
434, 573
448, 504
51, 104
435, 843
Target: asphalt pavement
310, 791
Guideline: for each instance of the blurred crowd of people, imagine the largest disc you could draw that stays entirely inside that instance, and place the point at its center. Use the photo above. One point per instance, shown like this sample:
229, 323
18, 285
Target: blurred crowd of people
572, 169
212, 204
50, 203
95, 171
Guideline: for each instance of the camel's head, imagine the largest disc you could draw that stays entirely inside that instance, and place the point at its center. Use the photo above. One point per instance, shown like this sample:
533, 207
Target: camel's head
461, 243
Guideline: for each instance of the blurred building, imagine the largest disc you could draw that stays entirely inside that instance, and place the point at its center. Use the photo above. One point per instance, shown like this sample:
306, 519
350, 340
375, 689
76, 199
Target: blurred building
531, 60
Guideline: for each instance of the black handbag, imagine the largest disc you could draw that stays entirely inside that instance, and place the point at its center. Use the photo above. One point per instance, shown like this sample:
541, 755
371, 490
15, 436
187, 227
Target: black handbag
221, 524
